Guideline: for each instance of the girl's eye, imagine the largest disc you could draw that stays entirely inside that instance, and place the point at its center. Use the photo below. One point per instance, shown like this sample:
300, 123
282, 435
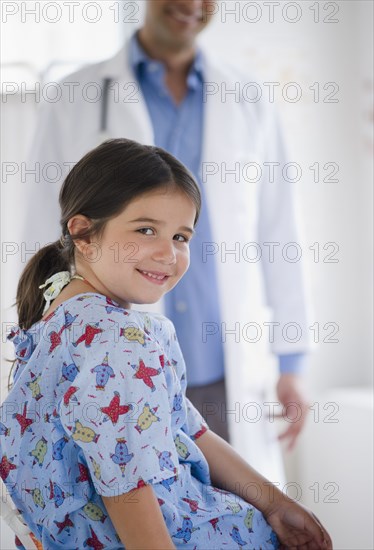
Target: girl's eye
146, 231
181, 238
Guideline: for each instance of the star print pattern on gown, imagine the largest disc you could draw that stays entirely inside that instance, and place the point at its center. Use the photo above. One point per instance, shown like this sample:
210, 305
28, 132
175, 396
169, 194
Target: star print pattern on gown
99, 410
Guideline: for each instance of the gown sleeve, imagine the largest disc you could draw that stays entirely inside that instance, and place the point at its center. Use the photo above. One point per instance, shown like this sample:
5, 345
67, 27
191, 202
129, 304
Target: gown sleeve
195, 425
117, 407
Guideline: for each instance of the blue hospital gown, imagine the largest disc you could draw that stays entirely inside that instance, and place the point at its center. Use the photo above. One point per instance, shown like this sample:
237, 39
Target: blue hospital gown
98, 408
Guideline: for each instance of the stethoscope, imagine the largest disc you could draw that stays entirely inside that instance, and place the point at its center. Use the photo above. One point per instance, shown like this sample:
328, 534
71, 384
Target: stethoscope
103, 133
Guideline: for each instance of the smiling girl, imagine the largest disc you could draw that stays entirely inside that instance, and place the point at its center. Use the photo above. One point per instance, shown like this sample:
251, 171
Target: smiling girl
100, 448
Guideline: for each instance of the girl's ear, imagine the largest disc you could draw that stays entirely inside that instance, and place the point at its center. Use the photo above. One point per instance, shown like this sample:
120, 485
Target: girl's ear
77, 225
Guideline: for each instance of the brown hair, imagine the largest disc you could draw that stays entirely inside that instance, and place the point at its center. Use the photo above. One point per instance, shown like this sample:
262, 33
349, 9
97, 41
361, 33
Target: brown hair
99, 186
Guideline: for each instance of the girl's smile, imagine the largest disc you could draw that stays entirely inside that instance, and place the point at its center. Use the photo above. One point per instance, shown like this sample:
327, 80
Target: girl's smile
155, 277
143, 251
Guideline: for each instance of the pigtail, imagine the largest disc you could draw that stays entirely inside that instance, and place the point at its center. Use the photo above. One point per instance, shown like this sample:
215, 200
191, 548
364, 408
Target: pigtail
30, 301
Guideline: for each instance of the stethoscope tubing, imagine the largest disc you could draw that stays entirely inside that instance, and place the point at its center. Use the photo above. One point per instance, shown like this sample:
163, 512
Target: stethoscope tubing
104, 106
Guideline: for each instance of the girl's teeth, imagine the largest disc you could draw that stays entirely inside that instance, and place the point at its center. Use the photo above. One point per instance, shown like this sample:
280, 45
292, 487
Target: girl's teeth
159, 277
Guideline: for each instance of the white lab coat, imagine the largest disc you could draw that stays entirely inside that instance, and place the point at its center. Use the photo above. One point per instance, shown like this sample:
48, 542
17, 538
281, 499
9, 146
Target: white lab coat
241, 212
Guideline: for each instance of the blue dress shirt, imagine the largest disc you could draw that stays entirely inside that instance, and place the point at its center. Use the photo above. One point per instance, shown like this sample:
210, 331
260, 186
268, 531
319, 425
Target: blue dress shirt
179, 130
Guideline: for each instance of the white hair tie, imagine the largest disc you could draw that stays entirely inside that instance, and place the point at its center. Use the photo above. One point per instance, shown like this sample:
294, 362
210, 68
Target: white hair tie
57, 283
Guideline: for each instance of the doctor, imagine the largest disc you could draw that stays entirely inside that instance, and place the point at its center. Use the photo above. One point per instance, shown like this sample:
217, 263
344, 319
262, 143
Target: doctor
240, 297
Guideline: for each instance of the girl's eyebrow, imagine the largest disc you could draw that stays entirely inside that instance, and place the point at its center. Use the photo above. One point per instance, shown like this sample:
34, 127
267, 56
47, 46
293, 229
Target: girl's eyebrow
159, 222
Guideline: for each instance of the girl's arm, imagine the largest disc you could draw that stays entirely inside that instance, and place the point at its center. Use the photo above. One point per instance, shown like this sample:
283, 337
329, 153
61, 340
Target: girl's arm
229, 471
138, 520
295, 525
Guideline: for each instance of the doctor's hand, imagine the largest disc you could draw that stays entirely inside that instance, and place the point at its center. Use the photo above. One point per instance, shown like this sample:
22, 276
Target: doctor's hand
295, 407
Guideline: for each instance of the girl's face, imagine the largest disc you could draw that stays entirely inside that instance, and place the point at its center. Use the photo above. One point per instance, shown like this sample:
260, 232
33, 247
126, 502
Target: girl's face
143, 251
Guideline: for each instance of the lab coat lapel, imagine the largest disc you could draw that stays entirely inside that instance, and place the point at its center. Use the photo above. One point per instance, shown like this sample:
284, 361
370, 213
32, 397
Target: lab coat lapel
231, 137
130, 118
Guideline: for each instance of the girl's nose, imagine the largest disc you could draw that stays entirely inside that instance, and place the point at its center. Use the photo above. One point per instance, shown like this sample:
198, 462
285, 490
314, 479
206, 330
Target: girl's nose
165, 252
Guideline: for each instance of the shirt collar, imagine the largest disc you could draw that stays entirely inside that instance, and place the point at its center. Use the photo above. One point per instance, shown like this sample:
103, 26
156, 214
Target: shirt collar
139, 59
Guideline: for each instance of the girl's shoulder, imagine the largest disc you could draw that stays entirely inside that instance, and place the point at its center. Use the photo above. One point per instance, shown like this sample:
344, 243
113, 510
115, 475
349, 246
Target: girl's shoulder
98, 310
92, 304
88, 319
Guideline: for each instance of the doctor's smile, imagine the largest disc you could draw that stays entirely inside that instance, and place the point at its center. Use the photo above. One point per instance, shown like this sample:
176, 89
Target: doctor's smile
183, 15
175, 23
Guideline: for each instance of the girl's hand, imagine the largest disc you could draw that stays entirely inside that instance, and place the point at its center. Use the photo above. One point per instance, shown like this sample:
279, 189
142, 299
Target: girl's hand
297, 528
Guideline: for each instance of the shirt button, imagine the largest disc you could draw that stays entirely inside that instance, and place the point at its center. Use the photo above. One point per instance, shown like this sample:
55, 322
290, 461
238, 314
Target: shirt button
181, 306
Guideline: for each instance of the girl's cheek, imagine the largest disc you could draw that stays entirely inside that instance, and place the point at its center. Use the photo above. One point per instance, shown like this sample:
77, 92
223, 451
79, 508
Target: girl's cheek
185, 263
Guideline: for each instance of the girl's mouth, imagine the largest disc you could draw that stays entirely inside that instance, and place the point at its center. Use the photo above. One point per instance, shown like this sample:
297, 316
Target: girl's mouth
154, 276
